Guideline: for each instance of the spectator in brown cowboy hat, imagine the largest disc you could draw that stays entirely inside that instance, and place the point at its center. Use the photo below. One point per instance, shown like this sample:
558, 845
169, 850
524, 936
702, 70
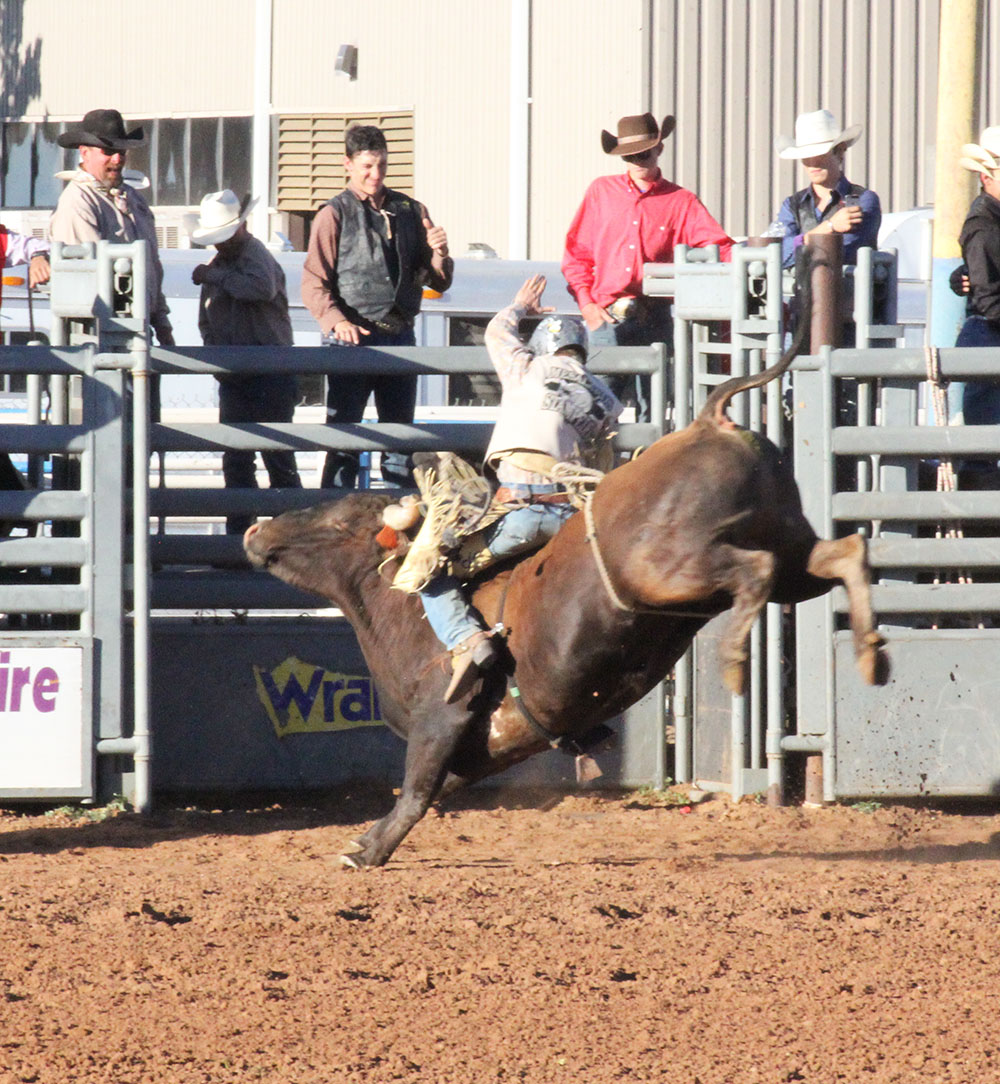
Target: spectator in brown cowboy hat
98, 205
627, 220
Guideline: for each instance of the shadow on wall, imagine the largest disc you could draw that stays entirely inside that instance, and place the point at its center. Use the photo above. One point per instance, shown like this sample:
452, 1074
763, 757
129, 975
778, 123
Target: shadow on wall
21, 68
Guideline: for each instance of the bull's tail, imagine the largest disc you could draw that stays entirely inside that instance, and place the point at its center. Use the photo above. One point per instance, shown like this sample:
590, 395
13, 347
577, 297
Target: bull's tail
714, 409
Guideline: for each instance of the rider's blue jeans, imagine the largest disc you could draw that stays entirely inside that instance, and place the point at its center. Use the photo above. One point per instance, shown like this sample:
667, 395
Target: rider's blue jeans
449, 613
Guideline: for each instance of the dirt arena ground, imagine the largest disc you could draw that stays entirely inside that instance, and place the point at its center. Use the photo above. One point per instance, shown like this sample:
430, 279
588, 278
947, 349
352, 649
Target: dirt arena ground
514, 938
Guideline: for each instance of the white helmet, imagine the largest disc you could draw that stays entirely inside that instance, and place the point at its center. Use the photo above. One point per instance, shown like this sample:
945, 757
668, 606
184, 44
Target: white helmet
557, 332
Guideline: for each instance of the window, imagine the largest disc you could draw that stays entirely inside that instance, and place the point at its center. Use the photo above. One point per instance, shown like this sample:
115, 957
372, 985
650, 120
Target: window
18, 156
237, 142
170, 184
184, 159
205, 162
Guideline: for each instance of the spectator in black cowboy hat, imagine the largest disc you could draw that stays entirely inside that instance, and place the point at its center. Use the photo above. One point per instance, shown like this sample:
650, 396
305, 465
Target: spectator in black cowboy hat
98, 205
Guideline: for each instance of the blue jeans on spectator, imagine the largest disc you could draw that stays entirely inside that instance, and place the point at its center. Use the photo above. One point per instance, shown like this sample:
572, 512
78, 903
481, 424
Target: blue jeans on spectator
395, 401
650, 322
980, 400
448, 612
245, 399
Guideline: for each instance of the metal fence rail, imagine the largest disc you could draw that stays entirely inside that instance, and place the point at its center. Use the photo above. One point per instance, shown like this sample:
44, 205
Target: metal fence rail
98, 373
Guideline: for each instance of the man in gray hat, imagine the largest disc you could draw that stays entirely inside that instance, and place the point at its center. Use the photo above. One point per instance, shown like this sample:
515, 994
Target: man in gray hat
624, 221
97, 204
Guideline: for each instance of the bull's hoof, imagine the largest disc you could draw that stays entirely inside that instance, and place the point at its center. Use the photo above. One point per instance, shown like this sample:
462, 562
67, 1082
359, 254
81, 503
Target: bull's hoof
873, 660
351, 862
353, 847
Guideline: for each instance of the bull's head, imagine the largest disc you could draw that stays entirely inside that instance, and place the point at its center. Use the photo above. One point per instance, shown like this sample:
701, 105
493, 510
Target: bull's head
321, 549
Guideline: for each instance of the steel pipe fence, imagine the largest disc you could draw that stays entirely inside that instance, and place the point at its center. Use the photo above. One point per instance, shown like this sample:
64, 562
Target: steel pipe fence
750, 295
97, 374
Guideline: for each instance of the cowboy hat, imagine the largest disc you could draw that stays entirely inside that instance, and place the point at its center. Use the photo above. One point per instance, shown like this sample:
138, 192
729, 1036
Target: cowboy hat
815, 134
636, 134
984, 156
219, 217
102, 128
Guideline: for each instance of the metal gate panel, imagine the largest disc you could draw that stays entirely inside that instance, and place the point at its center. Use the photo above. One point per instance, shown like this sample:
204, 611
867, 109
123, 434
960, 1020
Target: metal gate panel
934, 730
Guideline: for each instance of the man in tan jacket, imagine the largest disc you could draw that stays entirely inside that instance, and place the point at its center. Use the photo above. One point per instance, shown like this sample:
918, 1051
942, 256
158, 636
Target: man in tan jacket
97, 205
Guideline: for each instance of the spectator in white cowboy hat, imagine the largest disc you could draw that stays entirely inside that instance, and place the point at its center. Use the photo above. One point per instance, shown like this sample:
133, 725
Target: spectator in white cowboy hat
830, 203
244, 303
98, 203
980, 241
624, 221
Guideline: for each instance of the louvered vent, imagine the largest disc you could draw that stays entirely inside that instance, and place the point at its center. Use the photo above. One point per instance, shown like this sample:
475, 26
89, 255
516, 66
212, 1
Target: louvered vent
311, 155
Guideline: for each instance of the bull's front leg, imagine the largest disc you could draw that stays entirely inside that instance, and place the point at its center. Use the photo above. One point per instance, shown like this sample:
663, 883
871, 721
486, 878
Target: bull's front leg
846, 559
429, 748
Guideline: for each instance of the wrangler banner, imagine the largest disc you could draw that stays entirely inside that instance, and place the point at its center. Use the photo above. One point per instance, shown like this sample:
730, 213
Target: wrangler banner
302, 698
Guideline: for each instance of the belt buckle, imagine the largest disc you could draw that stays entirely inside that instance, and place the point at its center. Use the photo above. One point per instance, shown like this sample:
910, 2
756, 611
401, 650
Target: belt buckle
391, 325
622, 307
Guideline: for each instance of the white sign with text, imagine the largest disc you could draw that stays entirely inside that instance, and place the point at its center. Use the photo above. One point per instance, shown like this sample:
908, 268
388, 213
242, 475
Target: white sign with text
41, 713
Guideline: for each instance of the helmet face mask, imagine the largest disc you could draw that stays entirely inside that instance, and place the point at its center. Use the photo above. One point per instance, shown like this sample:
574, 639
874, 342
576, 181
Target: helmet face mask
555, 333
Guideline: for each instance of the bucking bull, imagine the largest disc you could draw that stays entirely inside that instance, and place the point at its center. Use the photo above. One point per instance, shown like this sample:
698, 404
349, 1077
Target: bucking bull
706, 519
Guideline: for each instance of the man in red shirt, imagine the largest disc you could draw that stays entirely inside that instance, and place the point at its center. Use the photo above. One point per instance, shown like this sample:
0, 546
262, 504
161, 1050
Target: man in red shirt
627, 220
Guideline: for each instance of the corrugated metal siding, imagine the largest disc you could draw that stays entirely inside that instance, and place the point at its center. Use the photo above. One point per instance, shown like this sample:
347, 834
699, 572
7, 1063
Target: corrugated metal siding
737, 72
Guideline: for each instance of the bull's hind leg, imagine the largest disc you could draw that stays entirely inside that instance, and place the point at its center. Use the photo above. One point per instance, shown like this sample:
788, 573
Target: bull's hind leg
748, 576
846, 559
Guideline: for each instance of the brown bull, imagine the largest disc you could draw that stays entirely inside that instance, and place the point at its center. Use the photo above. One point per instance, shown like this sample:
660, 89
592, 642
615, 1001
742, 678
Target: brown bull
707, 519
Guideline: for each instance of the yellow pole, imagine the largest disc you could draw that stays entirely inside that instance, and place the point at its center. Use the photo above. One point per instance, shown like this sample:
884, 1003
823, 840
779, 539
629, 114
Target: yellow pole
954, 187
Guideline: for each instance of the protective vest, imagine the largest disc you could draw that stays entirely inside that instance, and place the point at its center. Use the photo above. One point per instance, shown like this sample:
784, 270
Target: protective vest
364, 281
804, 209
557, 408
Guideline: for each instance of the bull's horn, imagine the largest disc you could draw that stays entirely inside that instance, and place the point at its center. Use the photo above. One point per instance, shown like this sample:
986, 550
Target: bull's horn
402, 516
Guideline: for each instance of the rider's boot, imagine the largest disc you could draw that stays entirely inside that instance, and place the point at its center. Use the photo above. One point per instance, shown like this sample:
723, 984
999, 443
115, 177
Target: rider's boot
469, 659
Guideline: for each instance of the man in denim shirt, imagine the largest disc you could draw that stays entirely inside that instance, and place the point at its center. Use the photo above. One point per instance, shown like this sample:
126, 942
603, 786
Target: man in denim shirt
830, 203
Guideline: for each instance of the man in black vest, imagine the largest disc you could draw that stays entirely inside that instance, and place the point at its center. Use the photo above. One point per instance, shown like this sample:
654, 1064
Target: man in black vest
371, 252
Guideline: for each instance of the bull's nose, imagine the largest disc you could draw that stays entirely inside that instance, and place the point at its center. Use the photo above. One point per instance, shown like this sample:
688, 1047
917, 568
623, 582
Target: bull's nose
249, 533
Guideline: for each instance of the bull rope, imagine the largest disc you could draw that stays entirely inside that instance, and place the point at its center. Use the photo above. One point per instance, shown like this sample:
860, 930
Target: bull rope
602, 568
947, 482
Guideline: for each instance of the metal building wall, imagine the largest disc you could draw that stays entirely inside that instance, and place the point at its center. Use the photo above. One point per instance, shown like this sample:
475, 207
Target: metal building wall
142, 57
587, 70
737, 72
447, 61
734, 72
